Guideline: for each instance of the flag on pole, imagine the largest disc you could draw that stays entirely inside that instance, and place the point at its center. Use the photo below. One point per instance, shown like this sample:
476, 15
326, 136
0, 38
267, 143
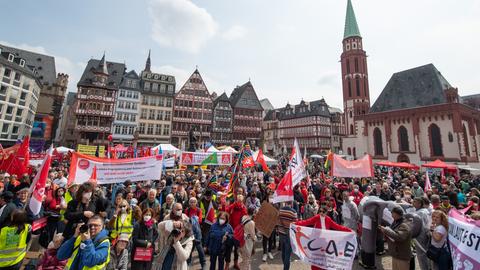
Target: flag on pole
210, 217
296, 165
37, 188
93, 177
261, 160
247, 156
328, 159
390, 175
284, 191
428, 185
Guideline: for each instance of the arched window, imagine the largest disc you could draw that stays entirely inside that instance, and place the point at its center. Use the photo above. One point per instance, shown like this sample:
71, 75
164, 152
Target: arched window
377, 142
435, 141
465, 141
349, 82
357, 85
349, 151
402, 139
351, 129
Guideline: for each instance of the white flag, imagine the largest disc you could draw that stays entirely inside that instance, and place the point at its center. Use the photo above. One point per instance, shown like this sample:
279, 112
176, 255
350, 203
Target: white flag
297, 165
38, 185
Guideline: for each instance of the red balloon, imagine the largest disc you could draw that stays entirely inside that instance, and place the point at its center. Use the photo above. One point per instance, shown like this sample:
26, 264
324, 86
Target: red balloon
110, 137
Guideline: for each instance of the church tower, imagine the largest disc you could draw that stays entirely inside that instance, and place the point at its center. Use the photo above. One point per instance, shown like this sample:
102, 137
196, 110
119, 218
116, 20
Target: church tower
356, 95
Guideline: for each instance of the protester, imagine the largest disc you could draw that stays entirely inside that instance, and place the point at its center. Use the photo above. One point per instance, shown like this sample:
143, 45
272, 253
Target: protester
145, 235
250, 238
439, 230
49, 260
79, 210
6, 207
152, 203
13, 241
88, 247
197, 244
119, 254
220, 233
123, 219
236, 211
399, 238
286, 216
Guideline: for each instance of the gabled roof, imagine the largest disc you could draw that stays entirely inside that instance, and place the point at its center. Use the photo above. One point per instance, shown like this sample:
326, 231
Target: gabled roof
312, 108
272, 115
43, 64
222, 97
416, 87
196, 82
351, 26
266, 105
115, 72
131, 75
245, 91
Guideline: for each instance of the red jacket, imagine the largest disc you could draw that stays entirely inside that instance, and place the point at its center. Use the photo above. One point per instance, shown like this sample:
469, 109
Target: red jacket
194, 212
357, 197
316, 223
236, 211
49, 261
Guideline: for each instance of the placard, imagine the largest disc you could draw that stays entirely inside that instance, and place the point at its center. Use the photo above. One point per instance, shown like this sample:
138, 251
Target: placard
39, 223
91, 150
266, 219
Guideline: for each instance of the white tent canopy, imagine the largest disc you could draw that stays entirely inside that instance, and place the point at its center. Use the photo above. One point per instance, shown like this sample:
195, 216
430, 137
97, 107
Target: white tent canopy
270, 161
212, 149
167, 148
63, 149
229, 149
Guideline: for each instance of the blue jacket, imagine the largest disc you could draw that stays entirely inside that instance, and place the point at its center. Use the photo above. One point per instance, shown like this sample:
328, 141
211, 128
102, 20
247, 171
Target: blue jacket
89, 256
215, 237
197, 232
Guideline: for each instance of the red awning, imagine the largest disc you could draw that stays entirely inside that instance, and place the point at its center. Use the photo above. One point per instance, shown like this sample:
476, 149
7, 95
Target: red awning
403, 165
439, 164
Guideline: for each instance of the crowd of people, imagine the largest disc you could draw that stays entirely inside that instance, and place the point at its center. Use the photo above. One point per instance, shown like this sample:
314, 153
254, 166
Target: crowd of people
161, 223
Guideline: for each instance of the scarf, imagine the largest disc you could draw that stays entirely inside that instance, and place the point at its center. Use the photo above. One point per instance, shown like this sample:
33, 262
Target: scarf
149, 223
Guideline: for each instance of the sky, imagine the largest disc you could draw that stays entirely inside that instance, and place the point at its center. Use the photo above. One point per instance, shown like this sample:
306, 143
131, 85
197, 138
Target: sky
289, 49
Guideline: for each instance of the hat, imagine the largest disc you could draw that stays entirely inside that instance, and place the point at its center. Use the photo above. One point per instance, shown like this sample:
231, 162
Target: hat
398, 210
123, 237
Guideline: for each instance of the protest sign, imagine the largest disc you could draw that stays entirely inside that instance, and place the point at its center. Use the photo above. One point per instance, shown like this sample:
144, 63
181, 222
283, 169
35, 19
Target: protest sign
201, 158
266, 219
464, 239
326, 249
114, 170
39, 223
356, 168
91, 150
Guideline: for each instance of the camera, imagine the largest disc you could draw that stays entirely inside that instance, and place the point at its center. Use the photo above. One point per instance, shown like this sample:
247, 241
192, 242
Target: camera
83, 228
175, 232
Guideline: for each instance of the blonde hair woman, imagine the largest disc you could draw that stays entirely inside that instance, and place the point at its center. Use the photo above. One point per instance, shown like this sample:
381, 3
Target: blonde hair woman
439, 231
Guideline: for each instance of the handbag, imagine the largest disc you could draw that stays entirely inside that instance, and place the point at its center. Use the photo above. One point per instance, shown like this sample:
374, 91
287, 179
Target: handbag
434, 253
143, 254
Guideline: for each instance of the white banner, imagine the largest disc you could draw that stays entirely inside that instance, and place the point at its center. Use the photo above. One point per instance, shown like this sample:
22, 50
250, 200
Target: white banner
464, 238
203, 158
169, 162
297, 165
326, 249
114, 170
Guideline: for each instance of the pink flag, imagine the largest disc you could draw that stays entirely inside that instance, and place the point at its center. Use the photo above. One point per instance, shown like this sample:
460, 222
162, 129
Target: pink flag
428, 185
38, 186
356, 168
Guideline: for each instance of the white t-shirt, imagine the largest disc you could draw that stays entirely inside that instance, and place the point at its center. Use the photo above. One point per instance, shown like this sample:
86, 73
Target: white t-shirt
443, 231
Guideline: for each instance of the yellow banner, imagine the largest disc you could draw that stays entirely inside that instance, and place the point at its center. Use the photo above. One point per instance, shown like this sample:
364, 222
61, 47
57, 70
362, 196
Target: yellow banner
91, 150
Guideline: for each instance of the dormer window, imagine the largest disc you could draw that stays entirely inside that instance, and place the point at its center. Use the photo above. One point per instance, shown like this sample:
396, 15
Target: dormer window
10, 57
22, 62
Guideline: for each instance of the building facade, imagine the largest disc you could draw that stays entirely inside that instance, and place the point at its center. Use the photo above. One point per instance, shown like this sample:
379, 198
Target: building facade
66, 124
192, 109
337, 120
156, 107
247, 115
417, 117
222, 121
127, 109
20, 86
95, 103
270, 133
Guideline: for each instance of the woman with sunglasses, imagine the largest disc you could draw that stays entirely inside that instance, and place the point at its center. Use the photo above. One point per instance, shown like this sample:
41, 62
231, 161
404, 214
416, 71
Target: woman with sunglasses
123, 219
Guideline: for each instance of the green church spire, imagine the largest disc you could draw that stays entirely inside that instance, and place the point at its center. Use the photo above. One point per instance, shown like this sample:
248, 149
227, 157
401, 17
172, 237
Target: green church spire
351, 26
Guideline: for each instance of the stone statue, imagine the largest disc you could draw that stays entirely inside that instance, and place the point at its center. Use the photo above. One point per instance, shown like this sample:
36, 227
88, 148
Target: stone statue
192, 139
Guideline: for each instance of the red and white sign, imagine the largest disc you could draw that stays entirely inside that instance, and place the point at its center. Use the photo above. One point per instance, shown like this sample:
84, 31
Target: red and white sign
297, 165
355, 168
114, 170
196, 158
39, 223
284, 191
464, 239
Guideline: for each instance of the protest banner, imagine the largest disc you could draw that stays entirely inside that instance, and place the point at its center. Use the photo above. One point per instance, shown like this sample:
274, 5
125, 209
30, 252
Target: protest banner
201, 158
266, 219
464, 239
326, 249
356, 168
114, 170
91, 150
39, 223
169, 162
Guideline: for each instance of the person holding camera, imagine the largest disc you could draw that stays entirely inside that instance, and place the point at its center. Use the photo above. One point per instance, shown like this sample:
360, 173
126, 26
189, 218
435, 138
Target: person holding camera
145, 233
89, 248
179, 247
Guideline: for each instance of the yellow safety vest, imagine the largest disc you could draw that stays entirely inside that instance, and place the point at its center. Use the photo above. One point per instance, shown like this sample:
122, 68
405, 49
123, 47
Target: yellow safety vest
126, 227
76, 246
68, 198
13, 246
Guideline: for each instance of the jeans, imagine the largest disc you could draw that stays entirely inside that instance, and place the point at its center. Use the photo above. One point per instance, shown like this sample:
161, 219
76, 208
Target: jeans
201, 254
286, 250
168, 261
267, 243
228, 252
213, 261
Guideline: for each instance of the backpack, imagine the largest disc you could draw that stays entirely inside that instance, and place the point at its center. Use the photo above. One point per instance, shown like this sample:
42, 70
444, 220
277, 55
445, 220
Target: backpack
239, 234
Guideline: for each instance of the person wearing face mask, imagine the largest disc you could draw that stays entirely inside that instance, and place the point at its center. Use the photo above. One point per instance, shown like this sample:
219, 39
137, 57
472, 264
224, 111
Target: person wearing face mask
311, 208
145, 235
322, 221
89, 249
217, 238
357, 195
80, 209
236, 211
253, 202
123, 219
152, 203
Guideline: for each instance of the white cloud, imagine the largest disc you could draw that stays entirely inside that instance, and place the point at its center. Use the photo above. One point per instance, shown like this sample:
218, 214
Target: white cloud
235, 32
181, 24
62, 64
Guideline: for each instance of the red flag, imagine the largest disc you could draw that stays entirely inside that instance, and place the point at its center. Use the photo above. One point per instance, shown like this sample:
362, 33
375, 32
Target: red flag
38, 186
93, 177
210, 218
16, 158
261, 160
428, 185
284, 190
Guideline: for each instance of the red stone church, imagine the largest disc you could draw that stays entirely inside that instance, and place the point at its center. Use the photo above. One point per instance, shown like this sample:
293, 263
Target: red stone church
417, 118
